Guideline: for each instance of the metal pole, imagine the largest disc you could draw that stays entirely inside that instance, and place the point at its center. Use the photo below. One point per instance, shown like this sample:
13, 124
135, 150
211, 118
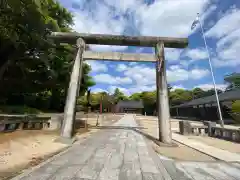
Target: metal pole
210, 64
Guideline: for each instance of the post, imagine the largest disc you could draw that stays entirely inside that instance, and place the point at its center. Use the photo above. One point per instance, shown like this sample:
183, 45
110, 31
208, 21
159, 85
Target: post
86, 121
164, 126
74, 87
211, 69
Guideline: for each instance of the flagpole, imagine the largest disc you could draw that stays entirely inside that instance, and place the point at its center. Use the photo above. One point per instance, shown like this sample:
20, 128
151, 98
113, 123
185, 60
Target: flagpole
211, 69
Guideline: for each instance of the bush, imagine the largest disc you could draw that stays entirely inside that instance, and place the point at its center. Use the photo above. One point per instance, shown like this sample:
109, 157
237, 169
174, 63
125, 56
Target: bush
18, 110
236, 111
236, 106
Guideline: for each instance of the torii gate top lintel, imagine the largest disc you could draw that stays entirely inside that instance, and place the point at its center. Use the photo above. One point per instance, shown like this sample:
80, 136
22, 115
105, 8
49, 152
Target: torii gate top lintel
105, 39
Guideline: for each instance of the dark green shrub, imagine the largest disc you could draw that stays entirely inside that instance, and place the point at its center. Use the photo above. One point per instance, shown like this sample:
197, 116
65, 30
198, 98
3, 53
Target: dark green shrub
18, 110
236, 111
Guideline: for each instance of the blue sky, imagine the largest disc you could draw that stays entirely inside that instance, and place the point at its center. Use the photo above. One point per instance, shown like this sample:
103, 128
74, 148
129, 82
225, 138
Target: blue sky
186, 68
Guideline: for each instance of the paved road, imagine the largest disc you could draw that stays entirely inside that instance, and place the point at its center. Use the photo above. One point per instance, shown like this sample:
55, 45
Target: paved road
121, 154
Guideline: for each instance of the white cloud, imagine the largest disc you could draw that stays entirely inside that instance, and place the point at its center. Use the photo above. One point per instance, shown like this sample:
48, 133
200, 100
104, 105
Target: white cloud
227, 24
161, 18
124, 5
97, 66
228, 50
111, 90
141, 88
109, 79
231, 37
196, 54
198, 73
170, 18
174, 67
104, 48
210, 86
177, 87
143, 78
132, 63
227, 31
98, 18
141, 74
184, 63
175, 74
96, 90
121, 67
173, 54
132, 89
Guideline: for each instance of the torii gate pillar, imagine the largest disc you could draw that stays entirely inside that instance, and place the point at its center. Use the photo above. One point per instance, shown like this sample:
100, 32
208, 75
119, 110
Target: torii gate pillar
164, 125
72, 94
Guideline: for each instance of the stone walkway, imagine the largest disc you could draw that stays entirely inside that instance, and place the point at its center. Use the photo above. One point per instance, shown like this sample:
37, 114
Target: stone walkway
122, 154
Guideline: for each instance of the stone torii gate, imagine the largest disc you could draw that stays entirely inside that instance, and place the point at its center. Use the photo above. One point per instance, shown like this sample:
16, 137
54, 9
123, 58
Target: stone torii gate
146, 41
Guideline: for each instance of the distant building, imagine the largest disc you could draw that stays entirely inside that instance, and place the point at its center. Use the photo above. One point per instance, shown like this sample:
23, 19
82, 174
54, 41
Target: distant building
129, 106
233, 80
205, 108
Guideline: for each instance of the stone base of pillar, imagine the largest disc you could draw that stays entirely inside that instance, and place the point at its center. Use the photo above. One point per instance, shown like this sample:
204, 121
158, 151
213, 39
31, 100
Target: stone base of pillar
65, 140
161, 144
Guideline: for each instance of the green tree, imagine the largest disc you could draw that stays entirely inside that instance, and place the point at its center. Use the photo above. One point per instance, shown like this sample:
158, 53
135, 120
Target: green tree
149, 102
38, 70
197, 93
118, 95
179, 96
236, 111
136, 96
211, 92
233, 81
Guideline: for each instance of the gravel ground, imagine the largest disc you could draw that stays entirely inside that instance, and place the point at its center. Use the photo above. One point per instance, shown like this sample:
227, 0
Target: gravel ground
23, 148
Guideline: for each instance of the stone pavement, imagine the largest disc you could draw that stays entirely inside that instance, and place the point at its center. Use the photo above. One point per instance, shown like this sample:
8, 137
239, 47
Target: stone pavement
122, 154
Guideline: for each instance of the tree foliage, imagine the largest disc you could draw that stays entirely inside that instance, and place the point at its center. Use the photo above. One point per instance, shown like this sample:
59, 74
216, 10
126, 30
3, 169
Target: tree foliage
149, 99
236, 111
34, 71
118, 95
233, 81
96, 99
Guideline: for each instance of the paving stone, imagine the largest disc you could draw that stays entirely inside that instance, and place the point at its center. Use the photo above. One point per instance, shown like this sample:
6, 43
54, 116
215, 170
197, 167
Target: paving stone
109, 174
82, 158
67, 172
174, 173
130, 171
41, 173
109, 154
94, 166
152, 176
148, 166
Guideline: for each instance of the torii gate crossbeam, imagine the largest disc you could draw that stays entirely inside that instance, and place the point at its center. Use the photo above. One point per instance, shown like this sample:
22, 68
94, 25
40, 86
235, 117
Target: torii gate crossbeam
148, 41
117, 56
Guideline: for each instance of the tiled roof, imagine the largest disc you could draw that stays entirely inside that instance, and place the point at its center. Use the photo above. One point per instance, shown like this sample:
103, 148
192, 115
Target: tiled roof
226, 96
